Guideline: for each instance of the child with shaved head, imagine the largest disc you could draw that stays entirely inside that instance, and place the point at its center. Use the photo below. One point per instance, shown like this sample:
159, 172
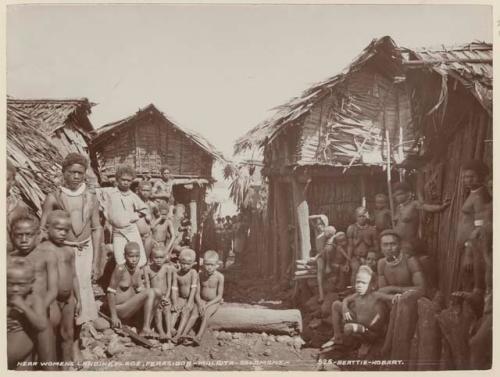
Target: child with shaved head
67, 303
208, 296
184, 290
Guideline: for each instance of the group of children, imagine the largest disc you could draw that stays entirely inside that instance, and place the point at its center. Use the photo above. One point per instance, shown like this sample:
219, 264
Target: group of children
154, 274
174, 295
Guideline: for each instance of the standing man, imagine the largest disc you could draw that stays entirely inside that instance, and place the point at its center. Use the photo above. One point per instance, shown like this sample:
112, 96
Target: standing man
163, 188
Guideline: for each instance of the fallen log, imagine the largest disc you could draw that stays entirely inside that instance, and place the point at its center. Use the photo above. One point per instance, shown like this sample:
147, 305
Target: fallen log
255, 318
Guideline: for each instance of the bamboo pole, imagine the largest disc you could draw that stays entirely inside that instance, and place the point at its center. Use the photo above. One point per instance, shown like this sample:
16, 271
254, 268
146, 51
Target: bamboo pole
389, 188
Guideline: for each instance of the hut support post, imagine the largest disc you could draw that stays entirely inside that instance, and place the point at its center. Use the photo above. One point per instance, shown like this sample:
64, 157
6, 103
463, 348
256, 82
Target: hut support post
302, 213
193, 210
281, 255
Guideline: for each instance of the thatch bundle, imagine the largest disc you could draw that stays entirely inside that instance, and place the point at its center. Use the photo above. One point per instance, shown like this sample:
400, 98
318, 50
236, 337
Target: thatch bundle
38, 161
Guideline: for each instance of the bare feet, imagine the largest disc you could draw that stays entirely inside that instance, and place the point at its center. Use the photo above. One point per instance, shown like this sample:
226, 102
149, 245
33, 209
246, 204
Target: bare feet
196, 341
147, 333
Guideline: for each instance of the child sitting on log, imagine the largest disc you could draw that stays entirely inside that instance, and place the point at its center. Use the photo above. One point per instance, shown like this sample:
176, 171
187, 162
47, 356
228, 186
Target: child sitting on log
26, 312
208, 297
361, 316
362, 238
184, 290
159, 276
127, 293
67, 304
382, 218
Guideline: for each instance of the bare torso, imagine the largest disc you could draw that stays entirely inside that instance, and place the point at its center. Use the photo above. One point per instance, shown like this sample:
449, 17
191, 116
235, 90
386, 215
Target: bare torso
65, 260
209, 285
39, 258
362, 239
364, 308
159, 277
185, 282
407, 218
129, 283
398, 275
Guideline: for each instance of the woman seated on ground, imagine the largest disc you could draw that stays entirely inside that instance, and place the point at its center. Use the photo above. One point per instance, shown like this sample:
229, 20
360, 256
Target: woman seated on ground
127, 293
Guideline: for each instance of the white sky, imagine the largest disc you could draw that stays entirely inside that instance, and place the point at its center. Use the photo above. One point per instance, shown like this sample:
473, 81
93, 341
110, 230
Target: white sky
214, 69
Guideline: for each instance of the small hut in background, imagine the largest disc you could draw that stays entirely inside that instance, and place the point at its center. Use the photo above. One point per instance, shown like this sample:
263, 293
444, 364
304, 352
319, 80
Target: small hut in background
452, 91
149, 140
64, 121
325, 152
37, 160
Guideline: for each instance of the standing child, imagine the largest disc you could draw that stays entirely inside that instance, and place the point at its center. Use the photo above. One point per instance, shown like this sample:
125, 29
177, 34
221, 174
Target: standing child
163, 229
323, 258
362, 238
184, 290
144, 223
160, 276
382, 218
26, 314
25, 231
340, 263
123, 210
67, 303
208, 296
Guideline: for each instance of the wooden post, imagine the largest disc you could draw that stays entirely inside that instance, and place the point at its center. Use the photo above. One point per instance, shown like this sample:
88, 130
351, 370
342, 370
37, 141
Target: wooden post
389, 184
302, 213
193, 210
363, 190
282, 231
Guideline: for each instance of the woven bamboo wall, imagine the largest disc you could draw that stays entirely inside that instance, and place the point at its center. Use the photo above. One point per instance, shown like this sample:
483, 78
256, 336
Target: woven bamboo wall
149, 144
338, 197
459, 131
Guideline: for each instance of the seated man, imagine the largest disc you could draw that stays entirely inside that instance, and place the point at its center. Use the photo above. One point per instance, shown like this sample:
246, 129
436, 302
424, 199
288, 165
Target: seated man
398, 272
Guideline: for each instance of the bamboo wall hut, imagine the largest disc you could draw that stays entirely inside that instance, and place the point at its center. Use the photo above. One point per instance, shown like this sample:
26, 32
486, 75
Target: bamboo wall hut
37, 160
149, 140
64, 121
325, 151
451, 90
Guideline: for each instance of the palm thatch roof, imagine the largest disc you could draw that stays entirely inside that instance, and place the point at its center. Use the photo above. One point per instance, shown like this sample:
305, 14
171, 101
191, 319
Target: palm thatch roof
101, 133
299, 106
471, 64
54, 114
354, 132
37, 160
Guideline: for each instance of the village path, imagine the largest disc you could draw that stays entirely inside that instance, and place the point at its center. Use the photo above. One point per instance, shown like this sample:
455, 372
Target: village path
220, 350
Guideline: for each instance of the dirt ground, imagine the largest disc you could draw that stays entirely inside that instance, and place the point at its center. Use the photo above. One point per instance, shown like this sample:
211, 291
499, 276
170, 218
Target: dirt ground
219, 350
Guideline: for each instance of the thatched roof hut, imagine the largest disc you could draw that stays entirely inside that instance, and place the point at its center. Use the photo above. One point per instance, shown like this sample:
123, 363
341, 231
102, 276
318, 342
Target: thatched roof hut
452, 105
37, 160
65, 121
326, 150
148, 140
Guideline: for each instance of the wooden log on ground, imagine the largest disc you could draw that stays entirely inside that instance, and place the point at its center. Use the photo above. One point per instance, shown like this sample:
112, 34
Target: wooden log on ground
429, 335
255, 318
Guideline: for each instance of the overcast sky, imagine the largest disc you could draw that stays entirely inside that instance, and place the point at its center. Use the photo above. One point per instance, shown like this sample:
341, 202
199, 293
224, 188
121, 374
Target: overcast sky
215, 69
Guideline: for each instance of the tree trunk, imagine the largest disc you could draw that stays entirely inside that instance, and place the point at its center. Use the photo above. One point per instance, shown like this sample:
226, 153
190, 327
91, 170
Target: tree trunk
429, 344
255, 318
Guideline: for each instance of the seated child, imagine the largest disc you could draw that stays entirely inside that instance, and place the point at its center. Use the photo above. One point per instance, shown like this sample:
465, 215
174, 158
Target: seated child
159, 276
184, 290
359, 317
67, 303
25, 231
127, 294
208, 297
382, 218
163, 229
26, 312
362, 238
